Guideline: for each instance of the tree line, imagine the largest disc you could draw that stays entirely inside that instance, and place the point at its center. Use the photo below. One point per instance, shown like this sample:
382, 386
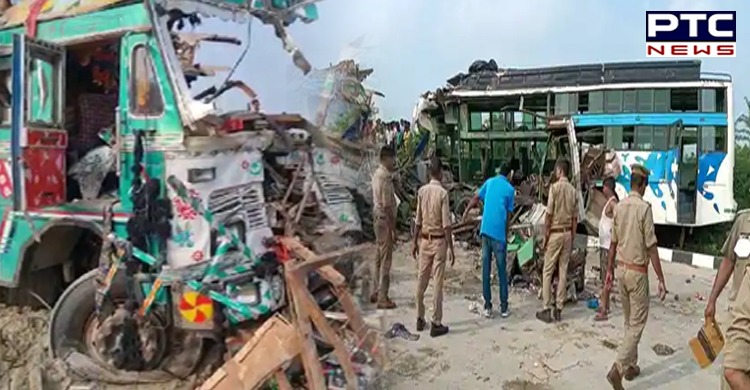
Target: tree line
710, 239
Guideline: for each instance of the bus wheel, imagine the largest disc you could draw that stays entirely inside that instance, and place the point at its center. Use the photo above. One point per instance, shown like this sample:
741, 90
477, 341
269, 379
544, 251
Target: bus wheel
93, 349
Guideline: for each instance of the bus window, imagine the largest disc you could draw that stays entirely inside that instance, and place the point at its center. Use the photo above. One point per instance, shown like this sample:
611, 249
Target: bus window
713, 139
689, 153
645, 100
708, 100
476, 120
684, 99
629, 101
596, 102
498, 150
713, 100
613, 101
498, 122
583, 102
661, 100
661, 137
619, 138
721, 100
652, 138
566, 103
476, 150
644, 138
689, 145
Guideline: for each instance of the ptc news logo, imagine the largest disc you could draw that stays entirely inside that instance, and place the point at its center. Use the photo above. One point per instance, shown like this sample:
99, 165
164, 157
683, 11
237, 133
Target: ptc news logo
691, 34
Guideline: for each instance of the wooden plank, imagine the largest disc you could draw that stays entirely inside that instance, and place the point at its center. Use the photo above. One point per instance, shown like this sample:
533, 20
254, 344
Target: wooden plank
321, 323
310, 359
350, 308
282, 381
305, 254
311, 260
273, 346
368, 339
331, 257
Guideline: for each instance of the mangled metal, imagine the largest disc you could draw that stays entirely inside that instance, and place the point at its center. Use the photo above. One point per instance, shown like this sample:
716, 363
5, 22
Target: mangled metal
479, 132
189, 239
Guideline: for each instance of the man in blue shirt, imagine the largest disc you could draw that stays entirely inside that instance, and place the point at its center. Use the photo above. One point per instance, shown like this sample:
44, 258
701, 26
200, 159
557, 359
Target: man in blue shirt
497, 195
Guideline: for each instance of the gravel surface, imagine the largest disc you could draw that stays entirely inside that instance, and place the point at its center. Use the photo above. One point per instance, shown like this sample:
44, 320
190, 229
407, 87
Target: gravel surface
520, 352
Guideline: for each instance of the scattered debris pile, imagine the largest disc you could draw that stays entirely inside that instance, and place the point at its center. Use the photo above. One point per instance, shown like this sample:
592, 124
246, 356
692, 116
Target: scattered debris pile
332, 346
480, 72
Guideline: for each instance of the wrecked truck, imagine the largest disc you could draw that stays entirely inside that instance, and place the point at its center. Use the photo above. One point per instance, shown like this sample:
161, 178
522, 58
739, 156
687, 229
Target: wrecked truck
131, 205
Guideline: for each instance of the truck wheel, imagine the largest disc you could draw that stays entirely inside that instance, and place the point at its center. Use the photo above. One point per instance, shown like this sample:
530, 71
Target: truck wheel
91, 349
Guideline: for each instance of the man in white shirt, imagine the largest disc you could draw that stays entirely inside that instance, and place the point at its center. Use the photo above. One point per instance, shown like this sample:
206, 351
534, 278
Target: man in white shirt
605, 239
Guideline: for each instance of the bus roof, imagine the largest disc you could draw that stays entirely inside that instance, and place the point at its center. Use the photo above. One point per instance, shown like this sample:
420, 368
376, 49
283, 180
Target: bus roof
587, 76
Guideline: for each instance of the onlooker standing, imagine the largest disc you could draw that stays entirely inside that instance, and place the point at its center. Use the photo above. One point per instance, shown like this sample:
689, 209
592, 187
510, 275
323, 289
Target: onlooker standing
384, 219
432, 244
605, 239
560, 229
497, 194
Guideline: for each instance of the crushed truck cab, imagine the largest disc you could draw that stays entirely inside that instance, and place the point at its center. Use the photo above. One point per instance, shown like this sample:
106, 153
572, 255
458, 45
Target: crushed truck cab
127, 198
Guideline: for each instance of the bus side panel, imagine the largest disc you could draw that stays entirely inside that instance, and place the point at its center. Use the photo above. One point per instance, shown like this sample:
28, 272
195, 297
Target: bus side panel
662, 186
715, 203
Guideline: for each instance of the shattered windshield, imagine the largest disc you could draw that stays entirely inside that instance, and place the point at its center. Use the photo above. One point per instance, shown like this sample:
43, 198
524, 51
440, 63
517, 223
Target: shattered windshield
214, 49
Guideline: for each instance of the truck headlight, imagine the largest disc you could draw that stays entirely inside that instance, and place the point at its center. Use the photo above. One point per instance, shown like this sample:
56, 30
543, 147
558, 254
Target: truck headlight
277, 288
248, 294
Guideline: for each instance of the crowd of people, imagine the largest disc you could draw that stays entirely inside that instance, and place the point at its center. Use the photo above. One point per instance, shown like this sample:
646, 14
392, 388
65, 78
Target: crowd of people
392, 134
628, 245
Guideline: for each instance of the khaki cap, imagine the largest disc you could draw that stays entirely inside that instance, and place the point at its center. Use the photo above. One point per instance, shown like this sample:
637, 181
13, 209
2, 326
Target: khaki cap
638, 169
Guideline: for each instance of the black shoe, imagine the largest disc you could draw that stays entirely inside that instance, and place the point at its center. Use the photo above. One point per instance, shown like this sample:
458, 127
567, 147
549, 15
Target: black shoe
545, 316
421, 324
438, 330
557, 315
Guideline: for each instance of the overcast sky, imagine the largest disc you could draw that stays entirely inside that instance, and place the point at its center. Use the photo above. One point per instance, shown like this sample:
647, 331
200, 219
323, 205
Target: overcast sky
415, 45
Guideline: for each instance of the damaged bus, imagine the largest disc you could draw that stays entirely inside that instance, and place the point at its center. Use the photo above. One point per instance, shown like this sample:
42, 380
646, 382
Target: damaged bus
132, 204
668, 115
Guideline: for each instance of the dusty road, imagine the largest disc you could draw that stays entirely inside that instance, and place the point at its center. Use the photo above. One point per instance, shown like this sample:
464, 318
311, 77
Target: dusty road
517, 353
520, 352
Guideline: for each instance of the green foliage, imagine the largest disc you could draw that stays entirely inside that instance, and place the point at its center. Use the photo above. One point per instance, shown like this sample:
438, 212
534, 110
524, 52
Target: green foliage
709, 240
742, 177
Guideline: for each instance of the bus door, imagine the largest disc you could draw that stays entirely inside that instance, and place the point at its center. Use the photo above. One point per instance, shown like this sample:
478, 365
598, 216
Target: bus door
687, 174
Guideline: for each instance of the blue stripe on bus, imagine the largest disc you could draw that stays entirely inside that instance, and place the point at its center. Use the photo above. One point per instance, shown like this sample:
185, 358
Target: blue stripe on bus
650, 119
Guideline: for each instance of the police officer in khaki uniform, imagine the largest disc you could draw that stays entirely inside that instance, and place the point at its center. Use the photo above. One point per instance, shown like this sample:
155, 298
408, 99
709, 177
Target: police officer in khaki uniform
733, 265
432, 244
737, 350
634, 244
560, 229
384, 219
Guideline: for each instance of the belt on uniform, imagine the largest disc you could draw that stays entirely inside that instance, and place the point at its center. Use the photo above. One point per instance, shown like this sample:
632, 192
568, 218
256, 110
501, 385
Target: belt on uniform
433, 236
634, 267
560, 230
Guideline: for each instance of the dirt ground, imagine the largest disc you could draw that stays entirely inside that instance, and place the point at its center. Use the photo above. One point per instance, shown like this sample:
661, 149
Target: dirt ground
25, 362
522, 353
517, 353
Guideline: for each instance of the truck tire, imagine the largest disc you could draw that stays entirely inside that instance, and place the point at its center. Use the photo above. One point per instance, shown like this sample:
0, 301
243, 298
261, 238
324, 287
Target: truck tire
70, 319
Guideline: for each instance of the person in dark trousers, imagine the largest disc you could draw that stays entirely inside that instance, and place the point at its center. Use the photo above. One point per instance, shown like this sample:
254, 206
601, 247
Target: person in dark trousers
497, 195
